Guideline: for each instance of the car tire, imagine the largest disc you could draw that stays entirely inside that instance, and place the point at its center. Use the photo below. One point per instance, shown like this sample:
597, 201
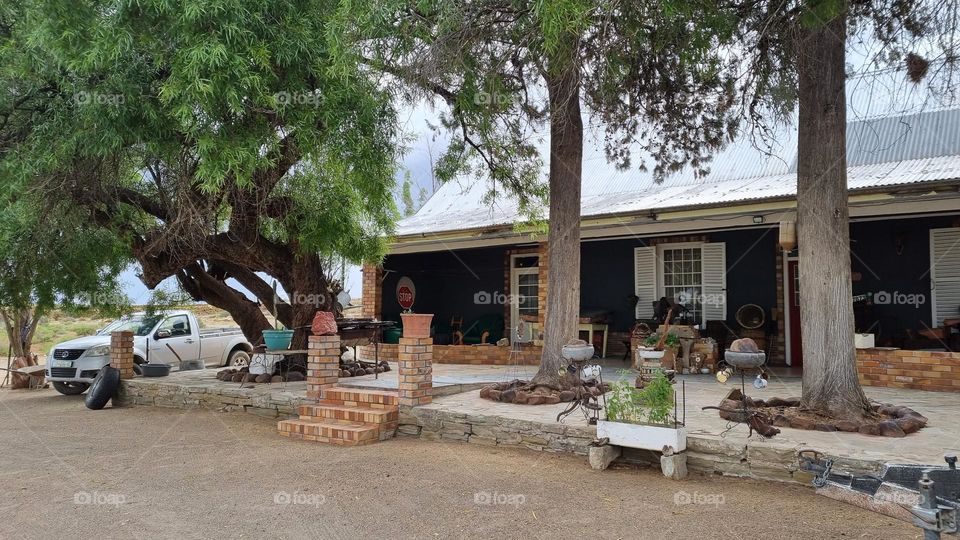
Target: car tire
103, 389
239, 358
70, 388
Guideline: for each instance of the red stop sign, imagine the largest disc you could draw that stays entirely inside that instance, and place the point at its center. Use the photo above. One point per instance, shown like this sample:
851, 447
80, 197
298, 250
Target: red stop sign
405, 297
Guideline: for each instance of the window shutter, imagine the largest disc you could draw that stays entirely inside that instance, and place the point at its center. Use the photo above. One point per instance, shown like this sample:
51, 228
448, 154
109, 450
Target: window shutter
714, 269
645, 280
945, 274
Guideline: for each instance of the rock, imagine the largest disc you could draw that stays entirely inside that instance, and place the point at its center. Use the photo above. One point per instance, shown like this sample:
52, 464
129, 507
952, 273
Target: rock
870, 429
781, 421
779, 402
295, 376
494, 395
674, 466
522, 397
600, 457
537, 399
595, 391
744, 345
344, 374
368, 371
846, 425
889, 428
485, 392
825, 427
276, 379
262, 378
910, 424
802, 423
567, 395
237, 377
507, 396
551, 400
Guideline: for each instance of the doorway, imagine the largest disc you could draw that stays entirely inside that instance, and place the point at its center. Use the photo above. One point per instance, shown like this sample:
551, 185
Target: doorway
524, 293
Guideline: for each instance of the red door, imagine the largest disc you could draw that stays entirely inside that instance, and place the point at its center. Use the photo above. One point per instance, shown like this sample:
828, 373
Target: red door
793, 297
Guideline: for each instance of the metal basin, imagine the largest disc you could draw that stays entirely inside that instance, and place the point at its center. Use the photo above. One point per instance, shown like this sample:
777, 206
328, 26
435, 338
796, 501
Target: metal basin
744, 360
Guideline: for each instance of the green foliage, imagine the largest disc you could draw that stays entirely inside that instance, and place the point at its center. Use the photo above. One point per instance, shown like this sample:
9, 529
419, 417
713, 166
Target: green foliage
669, 342
653, 404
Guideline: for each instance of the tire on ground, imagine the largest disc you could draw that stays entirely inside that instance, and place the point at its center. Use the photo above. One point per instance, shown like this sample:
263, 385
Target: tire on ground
103, 389
70, 388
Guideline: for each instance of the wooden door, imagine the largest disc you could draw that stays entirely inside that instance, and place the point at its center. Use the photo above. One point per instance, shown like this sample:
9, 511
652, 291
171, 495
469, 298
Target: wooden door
793, 298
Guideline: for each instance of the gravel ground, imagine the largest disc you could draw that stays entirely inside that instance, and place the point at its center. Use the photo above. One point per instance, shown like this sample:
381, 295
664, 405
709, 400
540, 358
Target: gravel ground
156, 473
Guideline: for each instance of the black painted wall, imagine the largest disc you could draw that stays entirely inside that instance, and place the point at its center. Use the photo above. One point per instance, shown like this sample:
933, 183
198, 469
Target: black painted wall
446, 283
894, 257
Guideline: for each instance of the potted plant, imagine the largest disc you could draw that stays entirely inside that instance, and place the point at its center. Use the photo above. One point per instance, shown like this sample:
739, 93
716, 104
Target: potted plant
643, 418
416, 325
277, 338
654, 348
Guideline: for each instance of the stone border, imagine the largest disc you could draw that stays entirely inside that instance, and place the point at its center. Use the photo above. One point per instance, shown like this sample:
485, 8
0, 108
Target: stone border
215, 398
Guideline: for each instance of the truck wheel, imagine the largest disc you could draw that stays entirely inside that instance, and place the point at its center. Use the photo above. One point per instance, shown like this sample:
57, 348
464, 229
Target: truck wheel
239, 358
70, 388
104, 387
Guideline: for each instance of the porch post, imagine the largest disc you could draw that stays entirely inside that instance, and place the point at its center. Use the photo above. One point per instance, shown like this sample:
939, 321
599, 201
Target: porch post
323, 364
121, 353
372, 291
416, 371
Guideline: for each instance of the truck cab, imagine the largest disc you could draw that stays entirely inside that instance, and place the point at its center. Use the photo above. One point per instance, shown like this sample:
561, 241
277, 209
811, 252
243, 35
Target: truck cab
169, 337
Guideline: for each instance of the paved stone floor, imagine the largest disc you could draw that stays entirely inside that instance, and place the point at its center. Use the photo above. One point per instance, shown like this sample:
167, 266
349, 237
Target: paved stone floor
941, 435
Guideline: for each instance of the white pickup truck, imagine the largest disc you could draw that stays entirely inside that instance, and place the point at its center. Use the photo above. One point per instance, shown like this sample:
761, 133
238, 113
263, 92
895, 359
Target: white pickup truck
172, 337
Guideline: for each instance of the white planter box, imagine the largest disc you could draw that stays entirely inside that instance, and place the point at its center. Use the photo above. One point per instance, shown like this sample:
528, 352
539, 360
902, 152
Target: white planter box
863, 341
650, 354
643, 436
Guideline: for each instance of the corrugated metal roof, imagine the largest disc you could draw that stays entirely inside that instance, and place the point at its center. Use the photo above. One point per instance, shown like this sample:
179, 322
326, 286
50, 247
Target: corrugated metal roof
899, 140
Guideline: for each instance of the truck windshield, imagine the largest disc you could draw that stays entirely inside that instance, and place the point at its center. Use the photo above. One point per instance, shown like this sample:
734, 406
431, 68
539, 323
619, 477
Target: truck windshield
140, 326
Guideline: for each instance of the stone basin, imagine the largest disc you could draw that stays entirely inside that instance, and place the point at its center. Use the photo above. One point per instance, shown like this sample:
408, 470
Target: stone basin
745, 360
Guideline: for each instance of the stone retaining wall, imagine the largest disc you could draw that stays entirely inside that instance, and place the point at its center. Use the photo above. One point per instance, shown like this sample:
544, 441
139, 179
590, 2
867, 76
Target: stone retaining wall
706, 454
917, 370
486, 355
214, 397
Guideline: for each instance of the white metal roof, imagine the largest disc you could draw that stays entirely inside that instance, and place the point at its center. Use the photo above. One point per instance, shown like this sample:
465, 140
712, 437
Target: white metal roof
898, 136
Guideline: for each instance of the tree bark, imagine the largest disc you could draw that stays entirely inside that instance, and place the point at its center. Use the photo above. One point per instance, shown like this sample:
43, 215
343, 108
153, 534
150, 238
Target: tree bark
830, 383
563, 239
201, 286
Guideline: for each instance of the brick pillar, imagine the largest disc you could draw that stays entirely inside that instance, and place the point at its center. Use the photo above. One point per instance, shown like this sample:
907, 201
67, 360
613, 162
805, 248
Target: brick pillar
416, 371
121, 353
323, 364
372, 291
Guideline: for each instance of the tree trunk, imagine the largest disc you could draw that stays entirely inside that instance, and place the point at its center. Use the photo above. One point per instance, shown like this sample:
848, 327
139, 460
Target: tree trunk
563, 239
20, 326
201, 286
830, 383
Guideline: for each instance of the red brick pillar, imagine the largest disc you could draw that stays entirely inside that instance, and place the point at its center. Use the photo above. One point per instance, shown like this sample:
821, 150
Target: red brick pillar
416, 371
323, 364
372, 291
121, 353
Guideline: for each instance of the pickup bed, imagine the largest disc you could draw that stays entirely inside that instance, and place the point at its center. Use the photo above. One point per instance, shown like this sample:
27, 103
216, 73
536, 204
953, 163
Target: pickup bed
169, 337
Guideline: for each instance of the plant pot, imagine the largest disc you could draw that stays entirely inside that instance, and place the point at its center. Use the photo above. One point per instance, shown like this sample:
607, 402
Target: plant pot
643, 436
650, 354
579, 353
277, 340
416, 325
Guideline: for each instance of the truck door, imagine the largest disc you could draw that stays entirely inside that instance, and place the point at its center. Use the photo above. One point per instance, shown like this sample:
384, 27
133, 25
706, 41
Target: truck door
177, 333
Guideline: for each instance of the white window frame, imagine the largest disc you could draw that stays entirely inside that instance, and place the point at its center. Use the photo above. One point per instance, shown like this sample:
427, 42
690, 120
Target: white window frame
515, 274
661, 286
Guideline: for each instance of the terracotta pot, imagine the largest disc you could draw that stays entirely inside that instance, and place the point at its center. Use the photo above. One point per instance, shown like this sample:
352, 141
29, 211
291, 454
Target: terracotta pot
416, 325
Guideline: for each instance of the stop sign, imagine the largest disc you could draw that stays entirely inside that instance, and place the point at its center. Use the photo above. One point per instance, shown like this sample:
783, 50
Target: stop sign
406, 292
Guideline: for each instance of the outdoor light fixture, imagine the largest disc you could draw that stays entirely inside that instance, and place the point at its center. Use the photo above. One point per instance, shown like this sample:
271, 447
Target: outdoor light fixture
758, 219
788, 235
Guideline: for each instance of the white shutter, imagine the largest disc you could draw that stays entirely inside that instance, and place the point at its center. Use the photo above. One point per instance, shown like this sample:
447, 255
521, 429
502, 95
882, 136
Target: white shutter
645, 280
945, 274
714, 268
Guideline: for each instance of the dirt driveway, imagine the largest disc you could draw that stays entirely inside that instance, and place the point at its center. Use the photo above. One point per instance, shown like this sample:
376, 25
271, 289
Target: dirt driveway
156, 473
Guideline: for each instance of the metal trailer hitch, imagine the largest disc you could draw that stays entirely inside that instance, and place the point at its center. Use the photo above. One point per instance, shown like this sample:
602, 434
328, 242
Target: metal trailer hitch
929, 515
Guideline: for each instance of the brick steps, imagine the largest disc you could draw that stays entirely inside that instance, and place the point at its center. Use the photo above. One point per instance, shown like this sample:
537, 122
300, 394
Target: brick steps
345, 416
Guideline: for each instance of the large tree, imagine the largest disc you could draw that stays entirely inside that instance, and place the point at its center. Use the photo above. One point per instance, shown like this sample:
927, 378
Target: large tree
510, 72
221, 140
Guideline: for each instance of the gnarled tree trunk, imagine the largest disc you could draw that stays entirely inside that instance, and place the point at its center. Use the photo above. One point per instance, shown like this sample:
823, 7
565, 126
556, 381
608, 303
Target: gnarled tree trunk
563, 240
20, 325
830, 383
